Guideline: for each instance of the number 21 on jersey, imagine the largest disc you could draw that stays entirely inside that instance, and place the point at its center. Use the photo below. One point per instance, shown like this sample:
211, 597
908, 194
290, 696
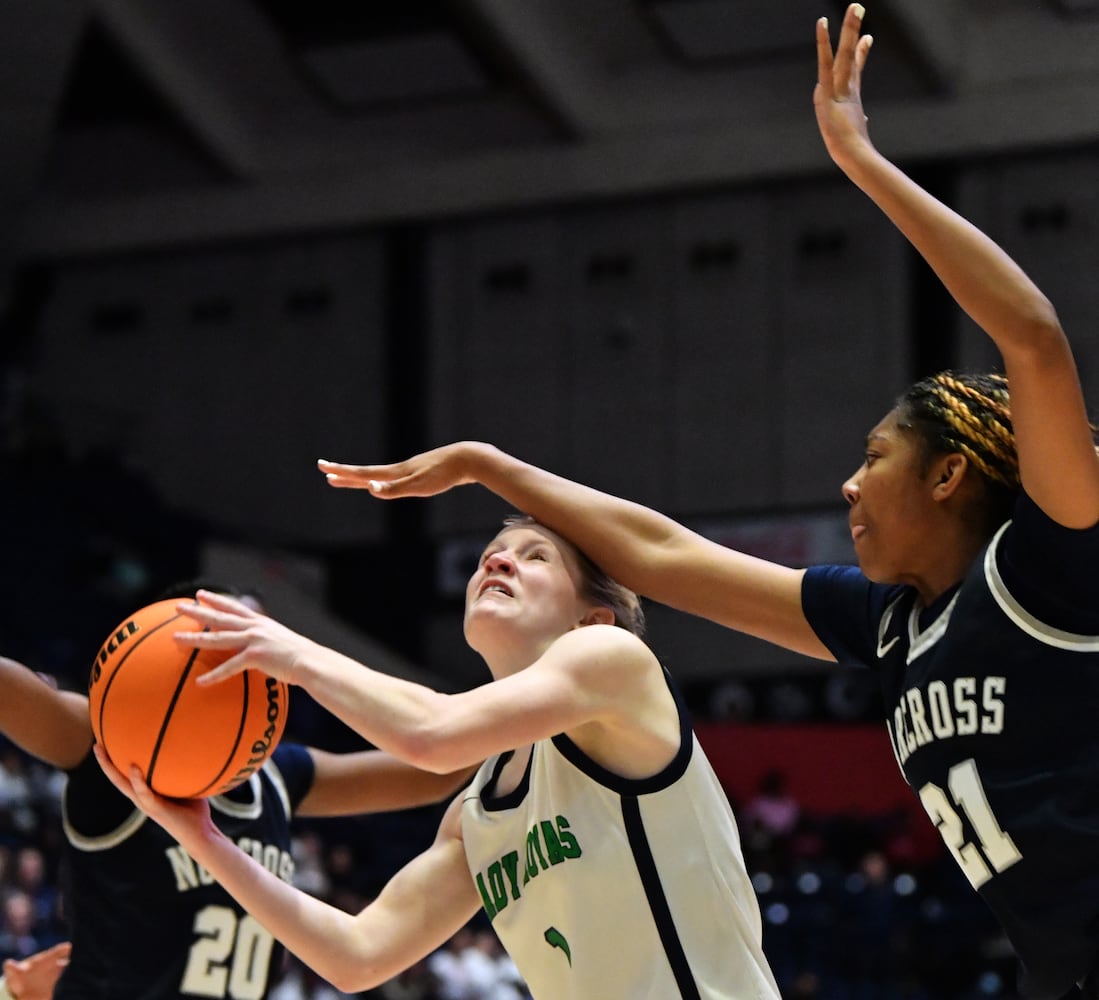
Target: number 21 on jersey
995, 851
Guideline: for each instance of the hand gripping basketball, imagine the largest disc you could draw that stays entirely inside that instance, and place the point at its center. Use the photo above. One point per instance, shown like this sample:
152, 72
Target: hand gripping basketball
245, 637
148, 708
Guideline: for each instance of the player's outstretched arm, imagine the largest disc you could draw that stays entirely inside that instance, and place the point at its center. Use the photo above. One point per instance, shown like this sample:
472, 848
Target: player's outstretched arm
638, 546
51, 725
1057, 457
369, 781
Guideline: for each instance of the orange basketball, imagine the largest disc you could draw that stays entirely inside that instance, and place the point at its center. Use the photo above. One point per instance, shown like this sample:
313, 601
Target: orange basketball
189, 741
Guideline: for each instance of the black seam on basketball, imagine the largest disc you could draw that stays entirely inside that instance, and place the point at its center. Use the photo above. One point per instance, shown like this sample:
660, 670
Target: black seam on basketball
236, 743
118, 669
168, 714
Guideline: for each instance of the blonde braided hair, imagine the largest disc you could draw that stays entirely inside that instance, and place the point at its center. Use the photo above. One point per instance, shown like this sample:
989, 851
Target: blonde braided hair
969, 414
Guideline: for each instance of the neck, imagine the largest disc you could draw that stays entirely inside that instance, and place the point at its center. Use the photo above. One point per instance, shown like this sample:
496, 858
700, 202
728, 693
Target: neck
947, 572
504, 659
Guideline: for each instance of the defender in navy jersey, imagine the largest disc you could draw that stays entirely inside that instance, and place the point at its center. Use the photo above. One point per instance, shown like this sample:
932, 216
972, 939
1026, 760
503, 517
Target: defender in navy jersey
987, 641
147, 922
595, 836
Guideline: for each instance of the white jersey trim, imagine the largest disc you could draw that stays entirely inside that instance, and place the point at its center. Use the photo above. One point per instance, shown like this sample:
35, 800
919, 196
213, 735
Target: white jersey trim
241, 810
1023, 619
271, 769
920, 642
126, 829
132, 823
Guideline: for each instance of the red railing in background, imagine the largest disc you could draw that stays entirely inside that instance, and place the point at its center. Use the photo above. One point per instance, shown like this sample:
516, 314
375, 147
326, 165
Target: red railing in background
829, 769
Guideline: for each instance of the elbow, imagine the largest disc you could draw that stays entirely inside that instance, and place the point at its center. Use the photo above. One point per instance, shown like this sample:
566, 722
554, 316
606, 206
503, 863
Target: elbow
425, 744
429, 752
354, 981
1042, 327
353, 972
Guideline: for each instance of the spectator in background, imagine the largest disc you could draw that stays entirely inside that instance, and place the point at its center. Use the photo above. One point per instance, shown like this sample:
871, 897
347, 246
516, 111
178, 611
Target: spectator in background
772, 811
18, 938
31, 877
16, 792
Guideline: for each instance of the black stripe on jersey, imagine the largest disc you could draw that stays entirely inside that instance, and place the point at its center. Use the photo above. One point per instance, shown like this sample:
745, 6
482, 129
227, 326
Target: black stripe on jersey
658, 902
675, 770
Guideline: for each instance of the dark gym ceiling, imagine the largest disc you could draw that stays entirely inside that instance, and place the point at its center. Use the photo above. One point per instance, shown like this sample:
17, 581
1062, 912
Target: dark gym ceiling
131, 123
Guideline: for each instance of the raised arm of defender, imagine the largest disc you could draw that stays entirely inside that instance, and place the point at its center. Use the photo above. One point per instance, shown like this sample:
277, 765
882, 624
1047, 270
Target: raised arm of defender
638, 546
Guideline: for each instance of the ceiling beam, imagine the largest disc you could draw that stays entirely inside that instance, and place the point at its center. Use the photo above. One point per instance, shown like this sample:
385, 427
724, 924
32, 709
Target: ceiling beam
1051, 114
540, 39
934, 30
177, 48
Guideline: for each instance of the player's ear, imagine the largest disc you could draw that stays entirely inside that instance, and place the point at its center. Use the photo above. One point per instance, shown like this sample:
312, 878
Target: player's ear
599, 614
948, 474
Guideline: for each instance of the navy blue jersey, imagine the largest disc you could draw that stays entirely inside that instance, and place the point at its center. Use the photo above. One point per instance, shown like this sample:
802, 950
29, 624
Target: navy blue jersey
150, 924
991, 698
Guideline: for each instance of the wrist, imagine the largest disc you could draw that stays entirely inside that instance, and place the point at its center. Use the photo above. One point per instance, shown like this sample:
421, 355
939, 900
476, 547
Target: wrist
487, 465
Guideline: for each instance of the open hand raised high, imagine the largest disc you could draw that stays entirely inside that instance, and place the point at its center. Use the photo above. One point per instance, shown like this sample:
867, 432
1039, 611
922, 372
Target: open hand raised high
837, 97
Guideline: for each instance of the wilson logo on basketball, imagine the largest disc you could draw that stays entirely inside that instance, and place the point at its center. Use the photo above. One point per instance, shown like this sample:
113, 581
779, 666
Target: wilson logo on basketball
261, 748
111, 647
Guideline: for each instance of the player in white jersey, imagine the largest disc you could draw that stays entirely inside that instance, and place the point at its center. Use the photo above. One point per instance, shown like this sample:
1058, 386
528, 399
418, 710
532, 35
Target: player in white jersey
595, 835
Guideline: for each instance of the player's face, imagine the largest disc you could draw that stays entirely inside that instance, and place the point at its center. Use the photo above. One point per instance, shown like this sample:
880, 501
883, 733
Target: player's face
889, 504
526, 589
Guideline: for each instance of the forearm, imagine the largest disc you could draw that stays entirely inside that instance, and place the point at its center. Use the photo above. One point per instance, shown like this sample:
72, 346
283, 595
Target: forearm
420, 908
985, 282
325, 938
395, 715
622, 537
50, 724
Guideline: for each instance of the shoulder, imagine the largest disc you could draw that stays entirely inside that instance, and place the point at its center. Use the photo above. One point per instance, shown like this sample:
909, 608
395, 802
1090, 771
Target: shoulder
296, 770
603, 647
608, 666
845, 610
1049, 568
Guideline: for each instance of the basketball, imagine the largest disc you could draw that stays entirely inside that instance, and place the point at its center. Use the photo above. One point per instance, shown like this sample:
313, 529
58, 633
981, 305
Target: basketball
189, 740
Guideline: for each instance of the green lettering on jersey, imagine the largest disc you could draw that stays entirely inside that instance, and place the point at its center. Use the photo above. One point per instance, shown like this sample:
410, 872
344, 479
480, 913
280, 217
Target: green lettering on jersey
510, 862
496, 885
548, 843
534, 851
570, 846
486, 902
553, 845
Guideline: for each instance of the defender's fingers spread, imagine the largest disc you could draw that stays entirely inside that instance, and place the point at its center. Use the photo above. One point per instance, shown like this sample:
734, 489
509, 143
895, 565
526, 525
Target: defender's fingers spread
824, 55
862, 52
849, 36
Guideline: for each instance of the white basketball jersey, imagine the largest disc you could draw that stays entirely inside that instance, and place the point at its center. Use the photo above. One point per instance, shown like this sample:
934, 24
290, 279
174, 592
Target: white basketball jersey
603, 888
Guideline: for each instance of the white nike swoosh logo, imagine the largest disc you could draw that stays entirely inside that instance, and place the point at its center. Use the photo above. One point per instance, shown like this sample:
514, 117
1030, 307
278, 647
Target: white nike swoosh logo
882, 650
